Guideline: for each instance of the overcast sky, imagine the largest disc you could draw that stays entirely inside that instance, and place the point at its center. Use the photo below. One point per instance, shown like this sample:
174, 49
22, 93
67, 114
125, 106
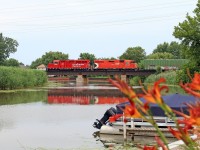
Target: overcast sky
105, 28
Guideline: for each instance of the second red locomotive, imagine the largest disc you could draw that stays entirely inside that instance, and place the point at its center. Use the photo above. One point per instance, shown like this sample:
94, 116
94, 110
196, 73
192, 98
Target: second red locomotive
115, 64
97, 65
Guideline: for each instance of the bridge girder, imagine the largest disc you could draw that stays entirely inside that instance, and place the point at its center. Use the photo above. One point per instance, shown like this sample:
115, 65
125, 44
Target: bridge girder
103, 73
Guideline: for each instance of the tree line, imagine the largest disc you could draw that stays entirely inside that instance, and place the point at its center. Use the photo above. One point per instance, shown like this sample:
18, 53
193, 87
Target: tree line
188, 47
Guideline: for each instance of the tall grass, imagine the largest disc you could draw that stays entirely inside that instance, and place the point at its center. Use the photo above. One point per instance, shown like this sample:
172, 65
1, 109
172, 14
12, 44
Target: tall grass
16, 78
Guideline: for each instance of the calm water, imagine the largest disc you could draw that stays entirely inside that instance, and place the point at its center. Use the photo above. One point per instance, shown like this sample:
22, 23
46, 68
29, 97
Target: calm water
55, 118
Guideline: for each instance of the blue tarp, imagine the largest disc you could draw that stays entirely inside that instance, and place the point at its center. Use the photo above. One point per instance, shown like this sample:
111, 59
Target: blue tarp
175, 101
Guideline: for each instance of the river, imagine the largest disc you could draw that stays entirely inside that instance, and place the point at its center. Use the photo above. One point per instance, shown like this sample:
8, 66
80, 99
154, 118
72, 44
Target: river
55, 118
58, 117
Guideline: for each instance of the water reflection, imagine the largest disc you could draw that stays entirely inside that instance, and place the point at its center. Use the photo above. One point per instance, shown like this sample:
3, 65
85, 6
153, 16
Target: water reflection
84, 100
22, 97
85, 96
116, 140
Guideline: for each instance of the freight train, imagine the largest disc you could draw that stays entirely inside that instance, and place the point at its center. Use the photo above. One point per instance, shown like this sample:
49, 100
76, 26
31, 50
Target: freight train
96, 65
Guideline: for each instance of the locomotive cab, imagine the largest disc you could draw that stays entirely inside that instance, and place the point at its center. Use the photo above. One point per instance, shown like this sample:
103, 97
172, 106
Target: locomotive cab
54, 65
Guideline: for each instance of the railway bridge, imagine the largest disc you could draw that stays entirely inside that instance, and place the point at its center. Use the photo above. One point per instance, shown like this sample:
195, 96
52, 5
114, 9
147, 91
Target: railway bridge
82, 75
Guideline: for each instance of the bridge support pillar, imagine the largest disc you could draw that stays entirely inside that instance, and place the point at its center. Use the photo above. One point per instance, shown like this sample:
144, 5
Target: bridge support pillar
81, 79
124, 78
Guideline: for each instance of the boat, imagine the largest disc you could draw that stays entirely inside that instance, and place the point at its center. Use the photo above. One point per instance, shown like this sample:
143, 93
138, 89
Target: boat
116, 140
138, 126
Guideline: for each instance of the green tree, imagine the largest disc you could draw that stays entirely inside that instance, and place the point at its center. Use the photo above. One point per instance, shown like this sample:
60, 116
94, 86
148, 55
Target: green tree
161, 48
48, 57
160, 55
89, 56
174, 48
11, 62
7, 46
36, 63
189, 33
134, 53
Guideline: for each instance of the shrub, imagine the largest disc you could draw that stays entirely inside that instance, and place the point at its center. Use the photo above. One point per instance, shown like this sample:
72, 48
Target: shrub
135, 81
15, 78
182, 74
170, 76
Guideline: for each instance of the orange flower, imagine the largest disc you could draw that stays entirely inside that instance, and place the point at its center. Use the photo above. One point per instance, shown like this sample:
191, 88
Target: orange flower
194, 86
124, 88
181, 133
160, 143
114, 117
150, 148
194, 115
153, 95
176, 133
131, 111
194, 111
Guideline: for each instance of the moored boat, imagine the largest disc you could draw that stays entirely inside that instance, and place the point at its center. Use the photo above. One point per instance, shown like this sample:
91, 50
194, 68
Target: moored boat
139, 127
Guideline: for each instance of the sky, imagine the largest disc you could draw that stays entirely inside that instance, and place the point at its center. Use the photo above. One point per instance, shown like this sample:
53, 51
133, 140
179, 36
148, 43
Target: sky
105, 28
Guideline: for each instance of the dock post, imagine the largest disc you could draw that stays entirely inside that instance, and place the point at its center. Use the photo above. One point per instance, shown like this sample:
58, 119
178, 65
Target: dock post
132, 123
124, 129
124, 78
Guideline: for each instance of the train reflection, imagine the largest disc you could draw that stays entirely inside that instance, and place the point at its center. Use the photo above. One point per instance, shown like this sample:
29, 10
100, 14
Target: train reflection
85, 96
84, 100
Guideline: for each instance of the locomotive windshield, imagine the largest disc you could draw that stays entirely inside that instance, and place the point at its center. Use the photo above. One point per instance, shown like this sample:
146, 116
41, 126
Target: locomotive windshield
56, 62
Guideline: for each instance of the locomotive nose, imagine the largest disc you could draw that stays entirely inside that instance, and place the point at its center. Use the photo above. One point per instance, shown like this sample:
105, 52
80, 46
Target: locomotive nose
96, 65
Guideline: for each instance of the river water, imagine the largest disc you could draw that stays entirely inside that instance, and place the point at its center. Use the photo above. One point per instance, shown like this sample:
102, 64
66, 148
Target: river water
59, 117
55, 118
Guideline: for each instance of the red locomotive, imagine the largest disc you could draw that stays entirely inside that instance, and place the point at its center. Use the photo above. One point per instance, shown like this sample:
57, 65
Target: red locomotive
69, 65
97, 65
115, 64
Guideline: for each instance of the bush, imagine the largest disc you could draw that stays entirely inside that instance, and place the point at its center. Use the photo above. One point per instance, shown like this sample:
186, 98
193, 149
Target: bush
158, 69
182, 75
15, 78
135, 81
170, 76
